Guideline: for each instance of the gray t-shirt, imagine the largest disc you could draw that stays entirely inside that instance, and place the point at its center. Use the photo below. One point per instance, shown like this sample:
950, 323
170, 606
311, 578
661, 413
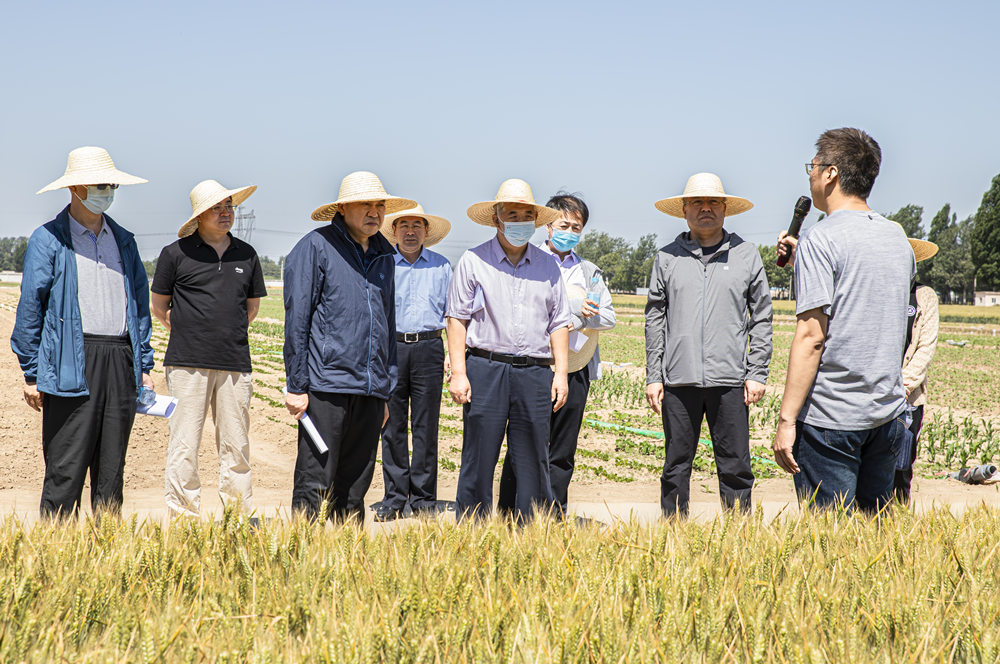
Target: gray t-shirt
857, 267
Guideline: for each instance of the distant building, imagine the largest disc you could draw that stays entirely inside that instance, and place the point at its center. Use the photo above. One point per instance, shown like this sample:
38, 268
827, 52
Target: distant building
10, 277
987, 299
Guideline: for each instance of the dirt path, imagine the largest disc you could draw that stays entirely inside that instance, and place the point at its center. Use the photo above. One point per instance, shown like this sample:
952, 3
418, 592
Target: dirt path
273, 444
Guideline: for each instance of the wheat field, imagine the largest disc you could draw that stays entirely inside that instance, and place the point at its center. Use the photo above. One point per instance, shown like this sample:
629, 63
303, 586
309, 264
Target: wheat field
821, 587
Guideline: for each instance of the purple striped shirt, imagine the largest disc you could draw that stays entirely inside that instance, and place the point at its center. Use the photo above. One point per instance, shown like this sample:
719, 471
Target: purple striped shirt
510, 308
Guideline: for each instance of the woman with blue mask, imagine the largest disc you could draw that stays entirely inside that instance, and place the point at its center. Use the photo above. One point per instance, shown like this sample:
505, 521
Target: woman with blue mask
592, 311
508, 328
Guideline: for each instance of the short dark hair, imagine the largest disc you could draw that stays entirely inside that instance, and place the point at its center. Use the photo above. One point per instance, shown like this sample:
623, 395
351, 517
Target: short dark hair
566, 202
856, 155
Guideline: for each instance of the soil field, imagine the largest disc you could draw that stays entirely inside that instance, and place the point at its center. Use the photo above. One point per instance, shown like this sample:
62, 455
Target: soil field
621, 446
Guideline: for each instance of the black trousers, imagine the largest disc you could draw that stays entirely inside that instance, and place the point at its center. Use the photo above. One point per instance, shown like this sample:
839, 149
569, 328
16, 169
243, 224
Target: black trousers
564, 432
91, 432
350, 426
417, 398
511, 401
728, 420
904, 476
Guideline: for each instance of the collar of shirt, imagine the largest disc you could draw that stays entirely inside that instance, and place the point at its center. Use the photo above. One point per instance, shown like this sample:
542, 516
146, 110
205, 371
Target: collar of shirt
499, 255
79, 229
199, 240
568, 262
400, 258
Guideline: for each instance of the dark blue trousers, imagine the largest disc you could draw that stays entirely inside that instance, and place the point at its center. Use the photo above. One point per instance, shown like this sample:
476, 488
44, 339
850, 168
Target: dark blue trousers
511, 401
853, 468
417, 400
564, 432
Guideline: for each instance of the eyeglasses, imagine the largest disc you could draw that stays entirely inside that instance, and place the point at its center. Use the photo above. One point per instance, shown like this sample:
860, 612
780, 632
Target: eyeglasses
220, 209
810, 166
102, 187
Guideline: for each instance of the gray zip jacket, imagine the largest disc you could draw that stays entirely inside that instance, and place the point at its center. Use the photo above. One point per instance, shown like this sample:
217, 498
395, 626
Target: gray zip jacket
700, 316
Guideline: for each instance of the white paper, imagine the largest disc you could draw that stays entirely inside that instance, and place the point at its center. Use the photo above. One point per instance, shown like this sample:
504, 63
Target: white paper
577, 341
317, 440
307, 424
162, 407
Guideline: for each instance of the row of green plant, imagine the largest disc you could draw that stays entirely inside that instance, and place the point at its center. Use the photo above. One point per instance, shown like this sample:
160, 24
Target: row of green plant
956, 443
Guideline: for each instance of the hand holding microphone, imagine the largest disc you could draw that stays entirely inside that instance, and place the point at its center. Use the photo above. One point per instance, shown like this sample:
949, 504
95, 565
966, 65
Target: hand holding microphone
788, 240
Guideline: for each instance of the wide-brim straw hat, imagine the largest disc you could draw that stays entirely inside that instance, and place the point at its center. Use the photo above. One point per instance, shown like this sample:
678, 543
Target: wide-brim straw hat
207, 194
361, 187
703, 185
437, 227
922, 249
89, 166
512, 191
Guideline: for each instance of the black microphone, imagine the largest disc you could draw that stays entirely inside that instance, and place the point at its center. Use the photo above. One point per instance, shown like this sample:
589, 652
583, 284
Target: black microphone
802, 208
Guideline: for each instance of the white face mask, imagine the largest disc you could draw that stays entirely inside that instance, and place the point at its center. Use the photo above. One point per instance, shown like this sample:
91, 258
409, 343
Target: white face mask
98, 201
518, 232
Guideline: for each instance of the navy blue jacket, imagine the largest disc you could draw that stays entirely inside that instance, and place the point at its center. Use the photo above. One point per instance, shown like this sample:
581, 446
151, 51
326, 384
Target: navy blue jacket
48, 334
340, 318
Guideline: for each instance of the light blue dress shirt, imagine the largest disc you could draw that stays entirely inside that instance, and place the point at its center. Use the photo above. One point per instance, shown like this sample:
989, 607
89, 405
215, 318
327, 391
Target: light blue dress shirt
421, 291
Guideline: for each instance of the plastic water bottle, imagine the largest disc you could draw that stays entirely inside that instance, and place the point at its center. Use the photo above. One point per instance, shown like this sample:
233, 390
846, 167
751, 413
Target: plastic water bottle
146, 397
594, 292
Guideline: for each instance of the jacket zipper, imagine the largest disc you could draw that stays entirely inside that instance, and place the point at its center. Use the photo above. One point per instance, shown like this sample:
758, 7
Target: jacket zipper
704, 285
371, 318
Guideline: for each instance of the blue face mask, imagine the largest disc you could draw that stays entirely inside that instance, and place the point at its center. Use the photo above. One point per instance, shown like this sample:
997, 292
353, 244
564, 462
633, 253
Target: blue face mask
98, 201
518, 232
564, 240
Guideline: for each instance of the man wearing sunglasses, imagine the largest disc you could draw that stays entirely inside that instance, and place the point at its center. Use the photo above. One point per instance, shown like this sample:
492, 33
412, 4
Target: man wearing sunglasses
207, 291
82, 336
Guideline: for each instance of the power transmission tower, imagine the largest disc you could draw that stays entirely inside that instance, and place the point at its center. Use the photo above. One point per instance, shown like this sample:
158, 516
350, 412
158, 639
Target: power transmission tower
244, 223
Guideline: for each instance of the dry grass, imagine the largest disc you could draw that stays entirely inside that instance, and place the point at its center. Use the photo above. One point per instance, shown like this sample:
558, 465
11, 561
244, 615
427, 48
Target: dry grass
815, 588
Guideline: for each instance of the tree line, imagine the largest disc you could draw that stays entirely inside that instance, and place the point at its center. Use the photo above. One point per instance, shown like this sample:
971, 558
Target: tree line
12, 253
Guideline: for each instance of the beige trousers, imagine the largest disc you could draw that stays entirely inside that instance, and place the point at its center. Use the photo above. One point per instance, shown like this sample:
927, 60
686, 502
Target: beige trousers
228, 394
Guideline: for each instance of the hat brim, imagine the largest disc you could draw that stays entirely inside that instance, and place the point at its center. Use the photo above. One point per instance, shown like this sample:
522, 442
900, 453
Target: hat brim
437, 227
238, 195
674, 206
482, 213
392, 204
922, 249
87, 178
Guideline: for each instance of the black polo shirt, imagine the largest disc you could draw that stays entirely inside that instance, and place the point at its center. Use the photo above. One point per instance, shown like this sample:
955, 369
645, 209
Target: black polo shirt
208, 311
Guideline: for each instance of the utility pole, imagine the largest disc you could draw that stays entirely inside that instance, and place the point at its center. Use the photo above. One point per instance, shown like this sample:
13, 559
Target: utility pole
244, 224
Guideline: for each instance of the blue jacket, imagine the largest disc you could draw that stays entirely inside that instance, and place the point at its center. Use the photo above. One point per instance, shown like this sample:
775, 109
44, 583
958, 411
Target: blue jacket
48, 334
340, 318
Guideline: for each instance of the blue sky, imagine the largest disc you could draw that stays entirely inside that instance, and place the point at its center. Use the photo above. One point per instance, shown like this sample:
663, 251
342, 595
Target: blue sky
620, 101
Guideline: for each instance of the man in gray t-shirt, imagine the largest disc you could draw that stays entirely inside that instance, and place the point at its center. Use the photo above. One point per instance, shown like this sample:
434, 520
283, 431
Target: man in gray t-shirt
838, 430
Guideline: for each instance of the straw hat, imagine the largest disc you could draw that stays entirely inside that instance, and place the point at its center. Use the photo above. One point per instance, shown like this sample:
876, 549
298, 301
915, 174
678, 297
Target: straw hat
922, 249
361, 187
207, 194
86, 166
512, 191
437, 227
702, 185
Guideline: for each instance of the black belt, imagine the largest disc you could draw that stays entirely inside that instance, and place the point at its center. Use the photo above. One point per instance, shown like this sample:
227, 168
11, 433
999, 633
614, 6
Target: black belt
515, 360
414, 337
106, 339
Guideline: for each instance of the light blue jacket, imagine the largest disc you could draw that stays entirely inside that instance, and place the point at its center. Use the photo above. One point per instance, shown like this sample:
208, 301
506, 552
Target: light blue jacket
48, 334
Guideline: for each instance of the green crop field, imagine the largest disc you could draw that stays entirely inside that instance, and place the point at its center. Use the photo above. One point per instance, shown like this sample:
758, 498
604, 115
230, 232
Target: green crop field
962, 420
